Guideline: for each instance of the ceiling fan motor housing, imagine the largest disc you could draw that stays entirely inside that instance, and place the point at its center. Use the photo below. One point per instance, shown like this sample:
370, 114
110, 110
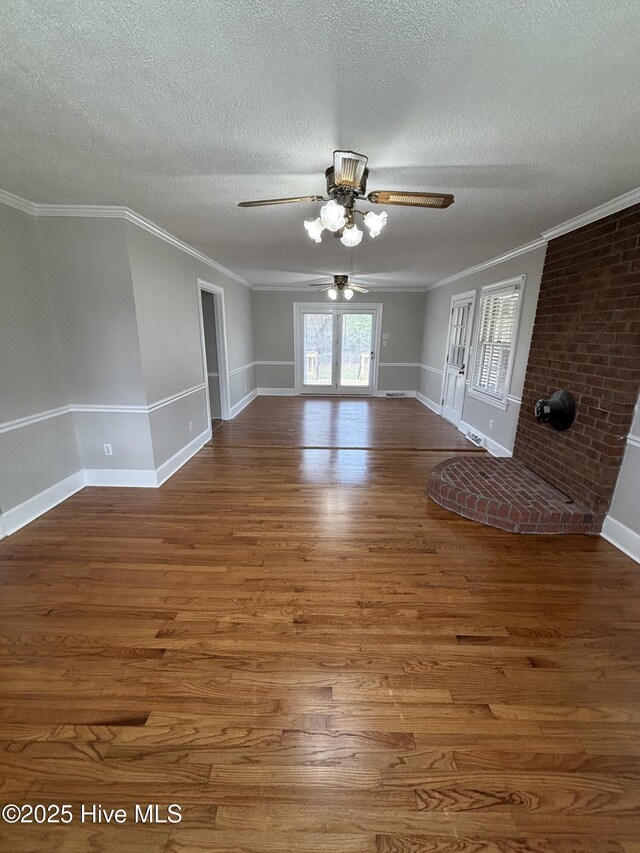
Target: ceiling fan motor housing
349, 193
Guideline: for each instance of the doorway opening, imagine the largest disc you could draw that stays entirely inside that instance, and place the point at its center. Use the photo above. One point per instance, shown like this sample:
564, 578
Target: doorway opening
337, 349
213, 337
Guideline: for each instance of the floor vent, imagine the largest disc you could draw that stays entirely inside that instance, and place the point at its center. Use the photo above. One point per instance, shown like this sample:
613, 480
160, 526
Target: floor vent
476, 439
395, 394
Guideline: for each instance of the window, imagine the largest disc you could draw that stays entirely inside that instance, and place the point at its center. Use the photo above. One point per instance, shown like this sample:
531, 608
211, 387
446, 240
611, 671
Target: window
495, 341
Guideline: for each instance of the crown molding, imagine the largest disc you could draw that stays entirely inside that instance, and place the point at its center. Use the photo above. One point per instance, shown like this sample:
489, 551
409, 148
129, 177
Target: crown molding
109, 211
599, 212
152, 228
116, 212
613, 206
297, 288
506, 256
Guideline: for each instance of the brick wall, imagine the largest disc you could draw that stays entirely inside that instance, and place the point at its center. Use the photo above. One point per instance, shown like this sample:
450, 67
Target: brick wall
586, 339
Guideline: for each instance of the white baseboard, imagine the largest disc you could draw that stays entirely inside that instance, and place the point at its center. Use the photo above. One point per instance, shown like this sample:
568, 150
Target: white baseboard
395, 391
242, 404
277, 392
36, 506
169, 468
430, 404
623, 537
122, 478
489, 444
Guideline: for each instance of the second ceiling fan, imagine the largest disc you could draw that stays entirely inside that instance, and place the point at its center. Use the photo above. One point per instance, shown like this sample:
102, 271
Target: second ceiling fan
347, 183
340, 285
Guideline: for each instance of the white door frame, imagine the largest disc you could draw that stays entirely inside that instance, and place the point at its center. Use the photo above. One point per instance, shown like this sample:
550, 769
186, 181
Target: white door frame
221, 346
467, 294
376, 307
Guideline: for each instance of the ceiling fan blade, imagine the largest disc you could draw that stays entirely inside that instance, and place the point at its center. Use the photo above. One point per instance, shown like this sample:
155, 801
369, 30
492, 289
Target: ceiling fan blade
319, 284
348, 168
409, 199
358, 287
266, 201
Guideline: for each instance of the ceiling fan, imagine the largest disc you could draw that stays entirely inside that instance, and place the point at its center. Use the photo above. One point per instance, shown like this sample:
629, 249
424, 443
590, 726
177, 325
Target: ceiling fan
347, 183
340, 285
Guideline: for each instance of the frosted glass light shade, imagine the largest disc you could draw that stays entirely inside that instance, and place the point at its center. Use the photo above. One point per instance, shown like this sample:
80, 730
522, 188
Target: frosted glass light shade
332, 215
332, 293
351, 236
347, 293
314, 229
375, 222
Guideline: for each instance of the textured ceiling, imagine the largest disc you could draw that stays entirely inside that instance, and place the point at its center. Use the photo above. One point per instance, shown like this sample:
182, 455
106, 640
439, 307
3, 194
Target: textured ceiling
527, 112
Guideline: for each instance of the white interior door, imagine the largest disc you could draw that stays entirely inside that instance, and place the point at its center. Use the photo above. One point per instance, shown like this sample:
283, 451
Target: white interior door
457, 359
337, 349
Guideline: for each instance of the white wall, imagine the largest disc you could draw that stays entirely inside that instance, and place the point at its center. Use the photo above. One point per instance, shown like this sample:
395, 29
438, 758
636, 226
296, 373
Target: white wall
476, 413
402, 318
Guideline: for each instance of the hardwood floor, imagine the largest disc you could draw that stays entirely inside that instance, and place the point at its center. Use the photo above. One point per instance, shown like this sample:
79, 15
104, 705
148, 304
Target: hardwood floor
370, 423
306, 654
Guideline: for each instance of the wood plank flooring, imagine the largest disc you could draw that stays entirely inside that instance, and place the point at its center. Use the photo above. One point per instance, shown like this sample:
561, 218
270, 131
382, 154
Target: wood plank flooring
306, 654
370, 423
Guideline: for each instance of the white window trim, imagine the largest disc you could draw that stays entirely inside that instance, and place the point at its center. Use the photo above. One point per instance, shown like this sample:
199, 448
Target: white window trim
518, 282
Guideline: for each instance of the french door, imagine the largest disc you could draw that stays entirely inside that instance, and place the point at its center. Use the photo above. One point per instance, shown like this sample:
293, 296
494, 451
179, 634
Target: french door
336, 349
457, 359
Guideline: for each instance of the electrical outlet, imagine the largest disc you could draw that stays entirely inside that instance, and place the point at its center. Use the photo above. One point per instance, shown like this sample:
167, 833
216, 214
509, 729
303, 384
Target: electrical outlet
190, 426
384, 343
491, 424
108, 450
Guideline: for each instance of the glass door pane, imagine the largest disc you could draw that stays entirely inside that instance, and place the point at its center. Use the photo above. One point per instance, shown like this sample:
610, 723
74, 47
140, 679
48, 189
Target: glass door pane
355, 355
318, 349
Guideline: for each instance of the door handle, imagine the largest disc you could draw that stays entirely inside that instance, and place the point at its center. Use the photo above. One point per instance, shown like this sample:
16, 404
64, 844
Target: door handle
371, 354
461, 371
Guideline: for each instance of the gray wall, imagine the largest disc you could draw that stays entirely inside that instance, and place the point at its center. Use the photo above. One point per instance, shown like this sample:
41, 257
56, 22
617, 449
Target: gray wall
102, 316
166, 296
88, 267
35, 456
402, 320
475, 412
91, 284
625, 505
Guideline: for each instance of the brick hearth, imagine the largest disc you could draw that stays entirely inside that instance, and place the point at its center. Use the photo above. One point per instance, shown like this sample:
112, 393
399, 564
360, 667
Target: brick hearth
503, 493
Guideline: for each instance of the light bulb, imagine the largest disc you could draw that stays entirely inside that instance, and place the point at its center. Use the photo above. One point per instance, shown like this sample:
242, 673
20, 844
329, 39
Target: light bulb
375, 222
332, 293
351, 236
332, 215
314, 229
347, 293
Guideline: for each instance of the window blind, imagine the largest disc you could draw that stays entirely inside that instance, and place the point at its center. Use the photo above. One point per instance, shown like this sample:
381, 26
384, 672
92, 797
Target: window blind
496, 335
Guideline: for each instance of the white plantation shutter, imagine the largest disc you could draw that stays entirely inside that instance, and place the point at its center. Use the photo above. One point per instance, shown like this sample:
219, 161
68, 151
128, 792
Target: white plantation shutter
495, 341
